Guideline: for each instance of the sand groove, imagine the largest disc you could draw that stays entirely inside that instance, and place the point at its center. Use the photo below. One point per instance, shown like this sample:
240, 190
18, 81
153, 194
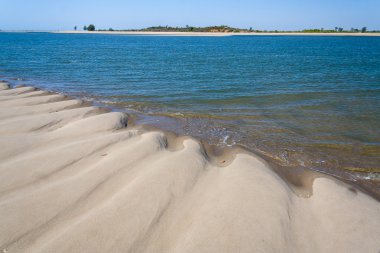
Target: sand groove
74, 178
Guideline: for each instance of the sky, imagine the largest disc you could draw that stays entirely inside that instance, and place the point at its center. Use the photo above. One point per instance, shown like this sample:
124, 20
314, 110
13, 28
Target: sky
127, 14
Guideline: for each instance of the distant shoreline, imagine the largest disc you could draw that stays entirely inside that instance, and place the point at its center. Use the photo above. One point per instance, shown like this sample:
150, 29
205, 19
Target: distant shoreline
217, 34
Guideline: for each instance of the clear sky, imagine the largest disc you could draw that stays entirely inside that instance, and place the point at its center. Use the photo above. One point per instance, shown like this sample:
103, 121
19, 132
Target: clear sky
119, 14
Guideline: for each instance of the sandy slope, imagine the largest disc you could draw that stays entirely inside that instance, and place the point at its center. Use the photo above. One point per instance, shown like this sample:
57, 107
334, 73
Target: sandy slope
75, 179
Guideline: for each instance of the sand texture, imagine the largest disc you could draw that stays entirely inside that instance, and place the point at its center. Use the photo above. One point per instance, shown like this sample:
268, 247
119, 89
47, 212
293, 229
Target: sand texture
75, 178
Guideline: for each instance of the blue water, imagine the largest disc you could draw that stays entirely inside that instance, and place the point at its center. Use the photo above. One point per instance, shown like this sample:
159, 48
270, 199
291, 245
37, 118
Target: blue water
302, 100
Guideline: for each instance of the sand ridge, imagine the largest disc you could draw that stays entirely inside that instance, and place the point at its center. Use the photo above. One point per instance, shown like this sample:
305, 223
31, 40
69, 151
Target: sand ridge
75, 178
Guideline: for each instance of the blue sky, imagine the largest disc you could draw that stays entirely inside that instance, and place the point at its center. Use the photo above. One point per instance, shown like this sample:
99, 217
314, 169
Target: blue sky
118, 14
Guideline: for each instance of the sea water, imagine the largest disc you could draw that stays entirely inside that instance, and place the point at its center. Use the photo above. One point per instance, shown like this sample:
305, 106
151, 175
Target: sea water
309, 101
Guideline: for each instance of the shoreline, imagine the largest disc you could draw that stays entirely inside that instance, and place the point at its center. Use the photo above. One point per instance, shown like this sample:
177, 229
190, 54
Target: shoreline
75, 177
300, 181
216, 34
297, 177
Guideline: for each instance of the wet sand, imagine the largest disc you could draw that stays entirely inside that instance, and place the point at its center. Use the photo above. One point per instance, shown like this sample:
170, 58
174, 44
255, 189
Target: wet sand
79, 178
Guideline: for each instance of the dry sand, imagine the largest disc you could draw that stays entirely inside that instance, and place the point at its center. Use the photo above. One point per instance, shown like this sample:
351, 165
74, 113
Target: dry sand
74, 178
216, 34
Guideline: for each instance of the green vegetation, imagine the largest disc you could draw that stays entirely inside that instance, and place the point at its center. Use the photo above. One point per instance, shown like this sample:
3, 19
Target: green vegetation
337, 30
228, 29
91, 28
187, 28
222, 28
318, 31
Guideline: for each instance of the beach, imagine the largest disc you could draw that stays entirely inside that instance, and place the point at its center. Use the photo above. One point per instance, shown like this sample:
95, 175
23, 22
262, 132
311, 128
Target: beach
216, 34
310, 107
79, 178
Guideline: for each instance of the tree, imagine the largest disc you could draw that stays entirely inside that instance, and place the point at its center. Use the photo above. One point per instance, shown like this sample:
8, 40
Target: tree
364, 29
340, 29
250, 29
75, 28
110, 29
91, 28
85, 28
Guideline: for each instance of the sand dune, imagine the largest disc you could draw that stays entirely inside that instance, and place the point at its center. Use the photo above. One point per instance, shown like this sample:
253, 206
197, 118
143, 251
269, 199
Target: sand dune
75, 178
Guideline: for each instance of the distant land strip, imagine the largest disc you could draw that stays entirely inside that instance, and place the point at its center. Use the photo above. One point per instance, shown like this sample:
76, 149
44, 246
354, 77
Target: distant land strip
214, 31
222, 30
217, 33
